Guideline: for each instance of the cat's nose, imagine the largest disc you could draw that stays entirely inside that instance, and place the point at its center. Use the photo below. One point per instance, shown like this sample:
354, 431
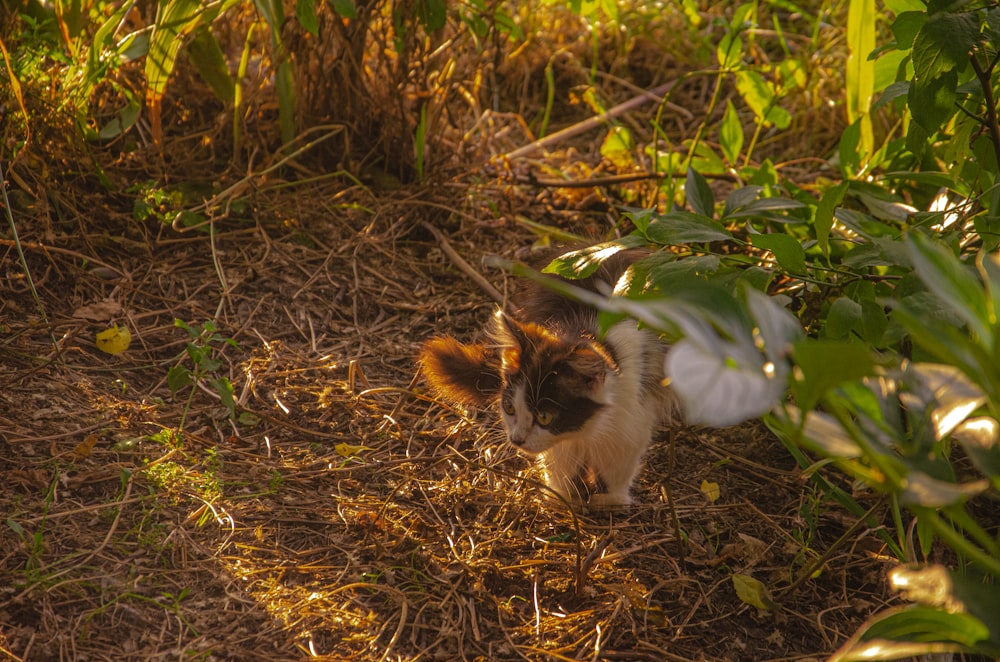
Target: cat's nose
517, 440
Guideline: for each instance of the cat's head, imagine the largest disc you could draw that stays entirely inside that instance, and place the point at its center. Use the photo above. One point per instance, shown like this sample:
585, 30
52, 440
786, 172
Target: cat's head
548, 386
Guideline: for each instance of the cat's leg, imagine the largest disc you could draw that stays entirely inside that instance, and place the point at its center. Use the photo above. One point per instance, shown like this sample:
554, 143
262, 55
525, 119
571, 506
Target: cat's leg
562, 465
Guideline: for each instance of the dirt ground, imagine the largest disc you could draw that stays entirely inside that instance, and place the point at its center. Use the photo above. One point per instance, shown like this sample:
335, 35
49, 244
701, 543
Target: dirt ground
333, 508
345, 513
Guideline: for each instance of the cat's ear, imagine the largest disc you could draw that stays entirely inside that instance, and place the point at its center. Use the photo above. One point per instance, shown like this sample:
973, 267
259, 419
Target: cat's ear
588, 364
465, 374
508, 330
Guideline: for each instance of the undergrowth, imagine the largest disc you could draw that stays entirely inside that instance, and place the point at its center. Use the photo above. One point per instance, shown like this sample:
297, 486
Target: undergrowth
825, 220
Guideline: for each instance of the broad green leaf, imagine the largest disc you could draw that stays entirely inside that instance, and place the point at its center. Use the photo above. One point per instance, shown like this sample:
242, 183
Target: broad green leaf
125, 119
731, 134
823, 222
666, 275
224, 388
979, 438
584, 262
739, 199
892, 92
682, 227
824, 434
874, 322
177, 378
943, 44
911, 632
932, 100
947, 277
860, 74
175, 19
786, 250
842, 318
906, 26
775, 328
699, 194
432, 14
826, 363
920, 489
762, 206
207, 56
305, 12
946, 392
989, 268
848, 149
345, 8
759, 95
721, 382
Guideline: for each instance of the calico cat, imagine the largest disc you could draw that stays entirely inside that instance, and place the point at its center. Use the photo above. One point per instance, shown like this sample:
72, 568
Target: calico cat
585, 407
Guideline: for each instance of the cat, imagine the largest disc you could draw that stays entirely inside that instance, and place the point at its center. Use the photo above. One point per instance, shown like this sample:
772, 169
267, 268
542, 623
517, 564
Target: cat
586, 407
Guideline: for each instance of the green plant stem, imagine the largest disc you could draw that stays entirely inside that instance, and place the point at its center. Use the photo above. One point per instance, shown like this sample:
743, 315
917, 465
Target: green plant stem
957, 542
24, 262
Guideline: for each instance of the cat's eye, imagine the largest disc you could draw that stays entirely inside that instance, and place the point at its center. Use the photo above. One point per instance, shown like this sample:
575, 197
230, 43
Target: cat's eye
543, 417
508, 406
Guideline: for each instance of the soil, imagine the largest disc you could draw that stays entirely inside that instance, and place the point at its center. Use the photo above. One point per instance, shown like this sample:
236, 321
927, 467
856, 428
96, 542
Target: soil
343, 512
327, 505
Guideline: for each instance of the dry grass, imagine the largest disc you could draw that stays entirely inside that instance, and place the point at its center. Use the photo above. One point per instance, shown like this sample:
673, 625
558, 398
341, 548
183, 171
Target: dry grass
350, 515
270, 541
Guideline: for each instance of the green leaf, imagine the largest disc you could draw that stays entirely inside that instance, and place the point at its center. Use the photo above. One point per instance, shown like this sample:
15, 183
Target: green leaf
224, 388
682, 227
177, 378
847, 149
739, 199
699, 194
823, 222
762, 206
759, 95
174, 20
666, 275
860, 74
786, 249
617, 147
943, 44
906, 26
826, 363
920, 489
432, 14
753, 592
731, 134
345, 8
956, 285
584, 262
979, 439
842, 318
912, 633
305, 12
874, 321
932, 100
207, 56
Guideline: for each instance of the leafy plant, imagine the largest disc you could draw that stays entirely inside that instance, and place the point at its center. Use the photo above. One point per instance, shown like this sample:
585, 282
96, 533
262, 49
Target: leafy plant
202, 348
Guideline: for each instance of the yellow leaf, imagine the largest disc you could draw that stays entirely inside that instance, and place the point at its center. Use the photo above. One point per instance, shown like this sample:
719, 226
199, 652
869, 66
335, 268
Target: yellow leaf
347, 450
710, 490
114, 340
753, 592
